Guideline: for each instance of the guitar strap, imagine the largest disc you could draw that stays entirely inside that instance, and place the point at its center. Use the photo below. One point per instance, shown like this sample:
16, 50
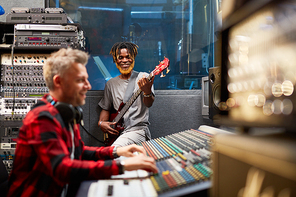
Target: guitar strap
130, 86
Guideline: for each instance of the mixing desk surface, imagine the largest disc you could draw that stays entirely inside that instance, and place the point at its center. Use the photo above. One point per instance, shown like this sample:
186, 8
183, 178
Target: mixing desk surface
183, 162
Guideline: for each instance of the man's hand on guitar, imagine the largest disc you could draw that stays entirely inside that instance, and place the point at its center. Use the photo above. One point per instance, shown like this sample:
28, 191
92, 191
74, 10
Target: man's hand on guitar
145, 85
106, 127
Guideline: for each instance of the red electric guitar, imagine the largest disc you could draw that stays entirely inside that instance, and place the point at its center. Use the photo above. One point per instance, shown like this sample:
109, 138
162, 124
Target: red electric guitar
118, 116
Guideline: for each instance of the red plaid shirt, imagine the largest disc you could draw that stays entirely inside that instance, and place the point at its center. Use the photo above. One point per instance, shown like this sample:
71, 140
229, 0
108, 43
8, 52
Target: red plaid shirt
42, 164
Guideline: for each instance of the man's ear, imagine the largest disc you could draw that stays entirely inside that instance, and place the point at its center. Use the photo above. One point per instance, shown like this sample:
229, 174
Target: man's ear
57, 81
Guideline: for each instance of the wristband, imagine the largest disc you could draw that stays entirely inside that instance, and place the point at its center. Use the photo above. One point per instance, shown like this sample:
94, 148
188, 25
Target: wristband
121, 168
100, 123
114, 153
147, 95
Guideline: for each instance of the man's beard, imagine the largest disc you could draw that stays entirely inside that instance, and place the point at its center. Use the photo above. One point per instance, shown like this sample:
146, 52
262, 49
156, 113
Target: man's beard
125, 71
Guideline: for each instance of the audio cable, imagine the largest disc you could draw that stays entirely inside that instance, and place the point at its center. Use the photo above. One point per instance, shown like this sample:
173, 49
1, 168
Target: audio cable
91, 134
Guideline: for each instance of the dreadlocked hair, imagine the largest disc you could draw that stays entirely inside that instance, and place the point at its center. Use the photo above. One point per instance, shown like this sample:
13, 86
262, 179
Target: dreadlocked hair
131, 48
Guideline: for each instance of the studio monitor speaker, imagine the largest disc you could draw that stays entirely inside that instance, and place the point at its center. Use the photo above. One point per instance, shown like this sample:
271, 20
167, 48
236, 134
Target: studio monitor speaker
214, 91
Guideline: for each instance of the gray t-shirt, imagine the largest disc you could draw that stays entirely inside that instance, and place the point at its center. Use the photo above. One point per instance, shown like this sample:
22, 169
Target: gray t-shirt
138, 113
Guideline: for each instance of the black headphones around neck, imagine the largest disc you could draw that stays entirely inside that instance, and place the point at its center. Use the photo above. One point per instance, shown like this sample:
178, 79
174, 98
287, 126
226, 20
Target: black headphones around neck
67, 111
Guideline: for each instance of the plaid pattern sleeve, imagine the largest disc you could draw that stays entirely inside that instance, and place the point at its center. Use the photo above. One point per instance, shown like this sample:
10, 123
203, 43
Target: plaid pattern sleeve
42, 163
97, 153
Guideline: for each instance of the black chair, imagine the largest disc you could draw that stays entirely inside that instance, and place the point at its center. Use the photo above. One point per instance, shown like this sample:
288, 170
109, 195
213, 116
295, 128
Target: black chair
3, 179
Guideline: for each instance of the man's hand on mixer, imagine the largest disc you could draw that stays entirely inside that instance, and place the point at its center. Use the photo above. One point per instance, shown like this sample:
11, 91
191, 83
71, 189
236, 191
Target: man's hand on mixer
128, 151
142, 162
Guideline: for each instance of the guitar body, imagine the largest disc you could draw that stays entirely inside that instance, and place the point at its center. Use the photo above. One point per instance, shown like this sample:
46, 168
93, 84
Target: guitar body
119, 125
109, 138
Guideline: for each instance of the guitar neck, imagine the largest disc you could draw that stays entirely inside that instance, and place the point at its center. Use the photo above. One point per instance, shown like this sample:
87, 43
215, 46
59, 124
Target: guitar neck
129, 103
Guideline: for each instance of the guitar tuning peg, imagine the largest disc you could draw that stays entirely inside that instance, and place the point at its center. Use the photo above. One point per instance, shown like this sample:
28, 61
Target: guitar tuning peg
167, 70
162, 75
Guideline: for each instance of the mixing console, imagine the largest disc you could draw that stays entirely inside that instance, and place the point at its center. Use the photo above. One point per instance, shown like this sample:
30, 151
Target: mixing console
183, 160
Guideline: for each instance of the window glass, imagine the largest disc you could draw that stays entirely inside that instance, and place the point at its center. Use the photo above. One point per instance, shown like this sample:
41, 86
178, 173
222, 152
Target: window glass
184, 31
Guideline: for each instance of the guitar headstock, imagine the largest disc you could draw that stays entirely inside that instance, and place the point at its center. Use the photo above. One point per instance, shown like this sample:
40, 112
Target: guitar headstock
164, 64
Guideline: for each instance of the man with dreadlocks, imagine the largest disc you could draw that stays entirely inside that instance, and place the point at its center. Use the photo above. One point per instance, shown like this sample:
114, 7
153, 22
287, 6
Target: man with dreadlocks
116, 90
